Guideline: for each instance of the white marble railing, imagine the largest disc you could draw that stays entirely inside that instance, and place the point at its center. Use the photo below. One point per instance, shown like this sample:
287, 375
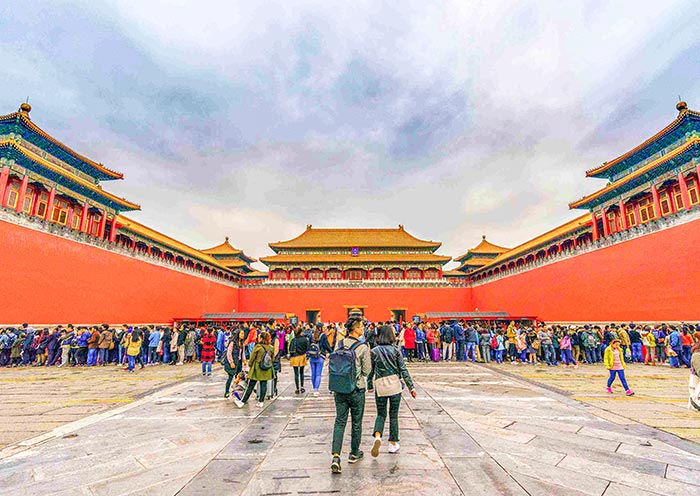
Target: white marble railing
363, 283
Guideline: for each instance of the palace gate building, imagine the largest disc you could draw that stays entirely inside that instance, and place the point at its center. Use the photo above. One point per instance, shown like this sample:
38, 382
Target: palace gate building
68, 253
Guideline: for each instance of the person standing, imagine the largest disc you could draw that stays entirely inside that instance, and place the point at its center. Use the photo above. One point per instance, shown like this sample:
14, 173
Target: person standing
232, 360
153, 340
93, 346
471, 338
460, 339
261, 370
208, 342
565, 347
446, 338
409, 338
103, 345
349, 366
615, 363
388, 368
298, 349
420, 343
133, 348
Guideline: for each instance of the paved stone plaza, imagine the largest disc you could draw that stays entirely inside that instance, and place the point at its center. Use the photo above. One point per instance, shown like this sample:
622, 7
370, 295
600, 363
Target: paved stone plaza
472, 430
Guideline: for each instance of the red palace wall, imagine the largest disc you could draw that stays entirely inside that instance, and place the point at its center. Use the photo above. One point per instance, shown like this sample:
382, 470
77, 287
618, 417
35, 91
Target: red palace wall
49, 279
332, 302
651, 278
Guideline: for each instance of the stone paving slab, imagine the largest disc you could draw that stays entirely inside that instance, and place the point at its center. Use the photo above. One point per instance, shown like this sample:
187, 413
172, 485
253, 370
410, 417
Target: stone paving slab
457, 437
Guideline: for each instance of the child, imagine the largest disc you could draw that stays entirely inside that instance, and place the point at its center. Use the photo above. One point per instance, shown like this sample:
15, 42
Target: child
615, 363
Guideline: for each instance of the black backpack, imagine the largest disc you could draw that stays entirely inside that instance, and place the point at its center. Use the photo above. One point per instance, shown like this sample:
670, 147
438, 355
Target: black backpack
314, 350
266, 362
342, 369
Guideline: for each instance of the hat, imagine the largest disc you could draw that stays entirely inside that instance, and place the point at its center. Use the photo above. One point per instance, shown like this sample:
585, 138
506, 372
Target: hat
586, 326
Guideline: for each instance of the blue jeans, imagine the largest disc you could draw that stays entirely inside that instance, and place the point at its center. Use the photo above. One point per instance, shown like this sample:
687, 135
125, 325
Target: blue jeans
92, 357
420, 349
206, 367
499, 356
166, 354
471, 346
637, 352
566, 356
103, 355
621, 375
548, 354
316, 371
461, 355
132, 362
152, 354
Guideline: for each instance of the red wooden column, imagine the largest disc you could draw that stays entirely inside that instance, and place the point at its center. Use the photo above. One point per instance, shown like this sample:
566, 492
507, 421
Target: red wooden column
386, 273
422, 274
606, 226
35, 205
440, 273
342, 273
84, 218
623, 216
636, 213
269, 272
49, 204
596, 234
4, 177
684, 190
324, 274
306, 274
287, 272
404, 273
23, 192
69, 217
113, 230
103, 225
657, 201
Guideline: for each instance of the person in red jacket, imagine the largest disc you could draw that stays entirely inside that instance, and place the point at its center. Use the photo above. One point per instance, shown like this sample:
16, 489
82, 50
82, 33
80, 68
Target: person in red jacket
207, 356
409, 337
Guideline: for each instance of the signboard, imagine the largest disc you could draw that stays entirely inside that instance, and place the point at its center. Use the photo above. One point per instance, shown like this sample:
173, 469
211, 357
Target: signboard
355, 251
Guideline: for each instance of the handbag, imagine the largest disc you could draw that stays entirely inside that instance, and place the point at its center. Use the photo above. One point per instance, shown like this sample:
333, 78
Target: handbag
388, 385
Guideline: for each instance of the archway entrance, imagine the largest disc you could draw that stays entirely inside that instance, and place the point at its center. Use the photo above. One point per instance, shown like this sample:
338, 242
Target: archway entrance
313, 316
354, 311
398, 314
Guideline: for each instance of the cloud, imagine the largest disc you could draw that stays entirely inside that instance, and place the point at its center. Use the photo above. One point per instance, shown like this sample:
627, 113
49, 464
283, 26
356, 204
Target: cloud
455, 118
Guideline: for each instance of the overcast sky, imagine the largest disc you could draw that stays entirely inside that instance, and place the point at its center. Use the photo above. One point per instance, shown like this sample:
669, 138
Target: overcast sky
456, 119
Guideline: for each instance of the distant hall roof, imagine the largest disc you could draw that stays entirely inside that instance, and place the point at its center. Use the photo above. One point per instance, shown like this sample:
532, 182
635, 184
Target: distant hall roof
349, 238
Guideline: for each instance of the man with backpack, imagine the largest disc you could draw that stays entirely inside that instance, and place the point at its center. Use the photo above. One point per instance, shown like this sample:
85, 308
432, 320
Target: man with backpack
348, 368
446, 337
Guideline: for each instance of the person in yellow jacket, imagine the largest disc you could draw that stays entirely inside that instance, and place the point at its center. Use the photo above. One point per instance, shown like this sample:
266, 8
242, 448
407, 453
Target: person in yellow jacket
511, 334
614, 360
133, 348
649, 342
625, 342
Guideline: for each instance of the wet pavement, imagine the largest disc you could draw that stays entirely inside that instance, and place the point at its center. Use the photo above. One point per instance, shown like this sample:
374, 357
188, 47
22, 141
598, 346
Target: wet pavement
472, 430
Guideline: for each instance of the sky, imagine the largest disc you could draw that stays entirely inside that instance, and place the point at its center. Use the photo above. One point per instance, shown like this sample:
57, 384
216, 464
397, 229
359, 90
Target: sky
251, 120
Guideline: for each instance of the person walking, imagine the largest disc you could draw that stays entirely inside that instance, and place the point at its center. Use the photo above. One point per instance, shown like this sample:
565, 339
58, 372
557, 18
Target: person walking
318, 350
207, 357
388, 369
348, 368
298, 349
232, 362
565, 347
614, 360
261, 370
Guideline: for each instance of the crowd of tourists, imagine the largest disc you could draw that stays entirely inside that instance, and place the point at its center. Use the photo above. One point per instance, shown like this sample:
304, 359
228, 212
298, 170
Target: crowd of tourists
361, 356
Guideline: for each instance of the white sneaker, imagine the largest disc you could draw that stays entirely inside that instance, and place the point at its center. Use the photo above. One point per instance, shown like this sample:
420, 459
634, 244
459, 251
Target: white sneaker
316, 392
394, 447
260, 404
238, 403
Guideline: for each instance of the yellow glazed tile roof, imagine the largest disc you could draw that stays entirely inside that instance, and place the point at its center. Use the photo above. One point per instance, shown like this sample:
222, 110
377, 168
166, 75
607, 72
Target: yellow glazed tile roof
149, 233
361, 258
542, 239
483, 247
348, 238
227, 248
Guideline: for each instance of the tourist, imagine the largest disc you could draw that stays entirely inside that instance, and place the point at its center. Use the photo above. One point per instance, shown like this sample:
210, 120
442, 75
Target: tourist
277, 362
533, 346
348, 385
521, 346
460, 338
545, 339
298, 348
53, 346
261, 369
625, 343
103, 345
649, 346
486, 341
471, 338
565, 347
614, 360
500, 346
232, 361
16, 350
318, 350
430, 341
388, 368
686, 345
190, 345
207, 357
660, 338
93, 346
153, 340
446, 338
7, 338
694, 381
65, 343
409, 337
636, 343
512, 345
133, 349
420, 342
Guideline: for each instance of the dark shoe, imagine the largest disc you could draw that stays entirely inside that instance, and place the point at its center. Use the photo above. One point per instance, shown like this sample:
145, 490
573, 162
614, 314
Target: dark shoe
303, 390
227, 395
335, 465
296, 392
356, 458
